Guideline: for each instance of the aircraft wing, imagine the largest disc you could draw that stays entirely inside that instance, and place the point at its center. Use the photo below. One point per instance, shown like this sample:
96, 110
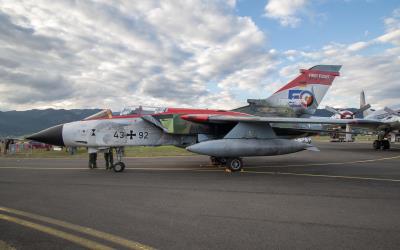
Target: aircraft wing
364, 123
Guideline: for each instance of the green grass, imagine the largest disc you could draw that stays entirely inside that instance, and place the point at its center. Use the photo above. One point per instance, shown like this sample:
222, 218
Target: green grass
82, 152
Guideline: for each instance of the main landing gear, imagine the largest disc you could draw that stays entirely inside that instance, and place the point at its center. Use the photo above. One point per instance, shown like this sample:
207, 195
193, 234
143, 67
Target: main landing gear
119, 166
232, 164
381, 144
217, 161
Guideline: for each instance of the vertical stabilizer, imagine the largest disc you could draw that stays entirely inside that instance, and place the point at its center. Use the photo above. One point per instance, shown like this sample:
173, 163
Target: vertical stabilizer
306, 91
299, 97
362, 99
363, 103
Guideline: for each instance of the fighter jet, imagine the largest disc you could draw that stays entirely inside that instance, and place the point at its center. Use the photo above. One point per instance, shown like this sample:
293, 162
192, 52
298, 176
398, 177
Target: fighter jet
383, 122
264, 127
347, 114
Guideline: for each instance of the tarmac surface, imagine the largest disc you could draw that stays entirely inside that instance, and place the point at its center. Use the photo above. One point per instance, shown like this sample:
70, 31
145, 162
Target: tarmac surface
345, 197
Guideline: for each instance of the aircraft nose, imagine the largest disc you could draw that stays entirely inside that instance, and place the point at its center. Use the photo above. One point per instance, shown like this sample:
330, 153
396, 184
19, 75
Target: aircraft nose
52, 135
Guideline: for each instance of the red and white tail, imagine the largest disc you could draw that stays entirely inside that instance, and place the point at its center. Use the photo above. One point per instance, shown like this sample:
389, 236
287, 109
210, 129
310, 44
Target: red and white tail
306, 91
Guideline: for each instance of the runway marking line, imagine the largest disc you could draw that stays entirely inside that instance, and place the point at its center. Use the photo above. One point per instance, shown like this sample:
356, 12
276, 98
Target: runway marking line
84, 158
334, 163
85, 230
139, 168
60, 234
42, 168
323, 175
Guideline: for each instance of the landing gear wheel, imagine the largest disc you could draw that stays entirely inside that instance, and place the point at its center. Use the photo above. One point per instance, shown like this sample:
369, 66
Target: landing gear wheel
234, 164
221, 160
385, 145
377, 144
118, 167
217, 161
214, 161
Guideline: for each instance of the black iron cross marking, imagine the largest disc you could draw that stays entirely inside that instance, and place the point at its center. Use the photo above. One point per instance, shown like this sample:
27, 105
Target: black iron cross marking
131, 134
93, 134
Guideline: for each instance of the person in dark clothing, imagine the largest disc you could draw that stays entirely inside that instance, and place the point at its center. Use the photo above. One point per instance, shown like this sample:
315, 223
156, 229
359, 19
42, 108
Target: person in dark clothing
92, 160
7, 146
109, 158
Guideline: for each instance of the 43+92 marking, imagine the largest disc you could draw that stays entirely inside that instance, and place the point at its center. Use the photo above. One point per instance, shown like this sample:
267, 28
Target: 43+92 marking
122, 134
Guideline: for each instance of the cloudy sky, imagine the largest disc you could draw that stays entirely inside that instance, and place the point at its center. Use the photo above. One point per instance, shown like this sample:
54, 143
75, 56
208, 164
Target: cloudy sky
110, 54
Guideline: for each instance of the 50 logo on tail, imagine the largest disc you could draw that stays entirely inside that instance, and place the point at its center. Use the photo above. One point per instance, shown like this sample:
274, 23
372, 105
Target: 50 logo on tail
300, 98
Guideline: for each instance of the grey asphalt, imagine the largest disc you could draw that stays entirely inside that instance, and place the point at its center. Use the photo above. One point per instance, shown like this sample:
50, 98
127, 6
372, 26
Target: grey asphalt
345, 197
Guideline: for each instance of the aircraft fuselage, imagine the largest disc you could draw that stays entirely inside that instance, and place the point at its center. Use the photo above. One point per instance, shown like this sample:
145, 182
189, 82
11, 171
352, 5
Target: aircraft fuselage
119, 132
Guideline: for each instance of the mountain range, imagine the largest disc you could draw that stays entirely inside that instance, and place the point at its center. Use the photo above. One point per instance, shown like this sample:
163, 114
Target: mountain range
19, 123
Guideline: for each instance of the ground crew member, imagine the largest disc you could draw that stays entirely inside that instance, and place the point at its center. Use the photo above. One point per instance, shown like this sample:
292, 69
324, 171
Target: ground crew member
92, 158
109, 158
7, 146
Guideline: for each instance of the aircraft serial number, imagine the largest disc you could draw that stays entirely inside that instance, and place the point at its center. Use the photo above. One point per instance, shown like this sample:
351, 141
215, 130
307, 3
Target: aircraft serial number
122, 134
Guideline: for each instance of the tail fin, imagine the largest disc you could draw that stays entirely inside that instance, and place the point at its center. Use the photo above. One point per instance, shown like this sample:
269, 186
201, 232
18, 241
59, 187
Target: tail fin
306, 91
363, 103
300, 97
362, 99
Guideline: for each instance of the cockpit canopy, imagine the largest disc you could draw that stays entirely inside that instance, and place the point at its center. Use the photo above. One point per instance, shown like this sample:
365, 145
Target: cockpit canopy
142, 110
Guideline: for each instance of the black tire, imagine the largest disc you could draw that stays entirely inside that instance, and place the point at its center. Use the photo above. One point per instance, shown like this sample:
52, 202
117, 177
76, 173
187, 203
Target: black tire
214, 161
221, 160
217, 161
377, 144
119, 167
234, 164
385, 145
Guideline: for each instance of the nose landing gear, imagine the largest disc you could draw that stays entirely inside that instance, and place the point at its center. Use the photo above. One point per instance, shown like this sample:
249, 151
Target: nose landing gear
217, 161
119, 166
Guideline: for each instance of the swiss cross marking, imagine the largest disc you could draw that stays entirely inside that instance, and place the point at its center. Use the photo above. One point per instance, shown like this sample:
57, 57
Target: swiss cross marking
131, 135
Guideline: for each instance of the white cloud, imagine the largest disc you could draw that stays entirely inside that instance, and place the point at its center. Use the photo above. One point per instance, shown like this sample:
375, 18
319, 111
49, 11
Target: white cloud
108, 54
376, 71
285, 11
249, 78
392, 25
393, 22
102, 53
358, 46
391, 37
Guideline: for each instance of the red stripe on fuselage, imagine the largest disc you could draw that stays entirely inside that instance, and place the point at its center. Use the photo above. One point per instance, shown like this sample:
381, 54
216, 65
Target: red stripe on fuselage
181, 111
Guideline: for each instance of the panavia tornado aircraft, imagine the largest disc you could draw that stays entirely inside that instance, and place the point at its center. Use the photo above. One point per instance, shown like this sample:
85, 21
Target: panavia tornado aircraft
262, 128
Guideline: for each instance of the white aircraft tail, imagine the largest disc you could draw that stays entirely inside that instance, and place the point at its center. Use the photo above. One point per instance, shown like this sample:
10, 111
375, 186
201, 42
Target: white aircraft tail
300, 97
304, 93
363, 104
